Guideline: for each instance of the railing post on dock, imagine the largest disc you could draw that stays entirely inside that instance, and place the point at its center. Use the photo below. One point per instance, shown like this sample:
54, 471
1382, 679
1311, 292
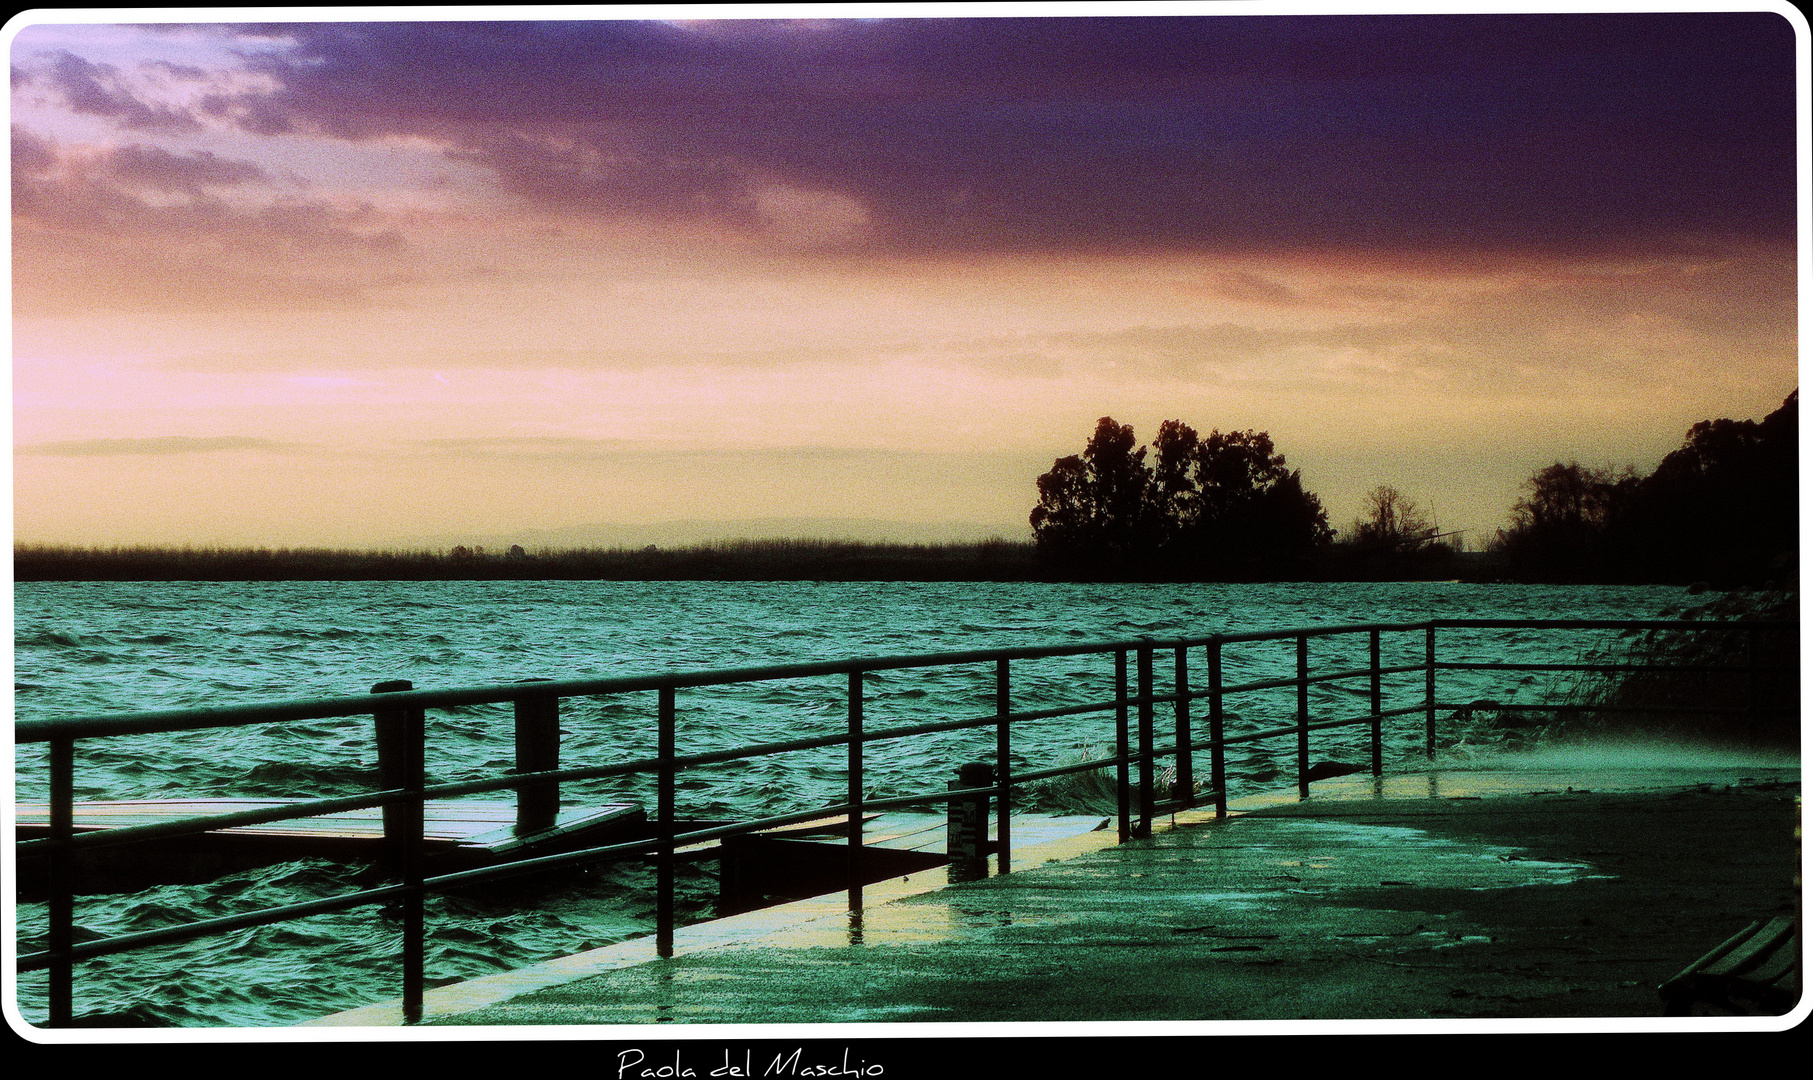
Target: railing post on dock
1429, 691
1122, 796
966, 823
1147, 781
1218, 758
1378, 708
664, 813
400, 735
1184, 787
537, 750
61, 869
1303, 715
1003, 771
853, 796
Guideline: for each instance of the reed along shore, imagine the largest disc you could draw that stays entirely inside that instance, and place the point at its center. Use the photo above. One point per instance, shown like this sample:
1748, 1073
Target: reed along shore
731, 560
717, 560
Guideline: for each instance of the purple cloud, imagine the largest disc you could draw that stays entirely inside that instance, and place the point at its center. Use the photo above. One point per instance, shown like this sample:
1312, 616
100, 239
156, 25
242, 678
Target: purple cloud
1540, 132
96, 89
155, 167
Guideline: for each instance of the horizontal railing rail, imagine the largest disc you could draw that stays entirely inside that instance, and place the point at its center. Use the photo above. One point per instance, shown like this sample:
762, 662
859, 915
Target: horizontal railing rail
1137, 696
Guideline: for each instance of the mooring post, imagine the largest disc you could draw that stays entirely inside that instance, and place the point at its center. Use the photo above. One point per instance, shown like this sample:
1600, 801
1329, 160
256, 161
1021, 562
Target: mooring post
966, 824
400, 734
399, 737
537, 750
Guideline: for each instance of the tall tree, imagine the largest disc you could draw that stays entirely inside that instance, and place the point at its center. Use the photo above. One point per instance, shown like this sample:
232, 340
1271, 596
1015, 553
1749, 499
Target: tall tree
1176, 499
1097, 505
1225, 504
1252, 507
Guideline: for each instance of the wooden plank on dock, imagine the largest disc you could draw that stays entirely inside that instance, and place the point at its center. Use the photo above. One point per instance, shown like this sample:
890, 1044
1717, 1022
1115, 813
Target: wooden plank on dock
456, 835
926, 832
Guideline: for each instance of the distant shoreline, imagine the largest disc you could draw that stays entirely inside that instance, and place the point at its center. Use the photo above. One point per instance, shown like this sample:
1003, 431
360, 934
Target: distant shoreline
716, 560
735, 560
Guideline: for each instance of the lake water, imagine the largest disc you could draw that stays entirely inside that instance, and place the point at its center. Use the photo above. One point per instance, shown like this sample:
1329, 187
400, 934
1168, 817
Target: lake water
90, 648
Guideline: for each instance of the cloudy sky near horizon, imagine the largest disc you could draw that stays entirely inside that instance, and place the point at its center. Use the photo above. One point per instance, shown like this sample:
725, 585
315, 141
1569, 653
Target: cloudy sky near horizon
341, 283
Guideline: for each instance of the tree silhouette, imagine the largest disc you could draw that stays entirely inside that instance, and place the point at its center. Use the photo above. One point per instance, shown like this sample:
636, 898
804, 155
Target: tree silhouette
1222, 504
1393, 524
1253, 506
1724, 507
1559, 526
1096, 505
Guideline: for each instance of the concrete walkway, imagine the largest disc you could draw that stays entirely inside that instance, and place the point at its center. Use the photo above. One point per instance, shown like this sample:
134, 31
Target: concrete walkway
1562, 897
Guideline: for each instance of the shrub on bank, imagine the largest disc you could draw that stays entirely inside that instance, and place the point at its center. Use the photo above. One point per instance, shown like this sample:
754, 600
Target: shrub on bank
1734, 686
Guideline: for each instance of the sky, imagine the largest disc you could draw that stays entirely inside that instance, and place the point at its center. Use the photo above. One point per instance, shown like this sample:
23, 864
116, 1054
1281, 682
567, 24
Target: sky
345, 282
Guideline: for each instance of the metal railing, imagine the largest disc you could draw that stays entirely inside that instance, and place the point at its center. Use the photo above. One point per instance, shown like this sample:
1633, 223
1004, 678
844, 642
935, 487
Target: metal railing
399, 711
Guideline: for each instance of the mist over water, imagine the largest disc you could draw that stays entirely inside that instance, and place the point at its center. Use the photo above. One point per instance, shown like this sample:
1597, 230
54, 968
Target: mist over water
90, 648
1606, 756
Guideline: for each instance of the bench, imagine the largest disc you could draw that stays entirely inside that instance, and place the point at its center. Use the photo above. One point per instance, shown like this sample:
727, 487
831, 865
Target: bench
1756, 972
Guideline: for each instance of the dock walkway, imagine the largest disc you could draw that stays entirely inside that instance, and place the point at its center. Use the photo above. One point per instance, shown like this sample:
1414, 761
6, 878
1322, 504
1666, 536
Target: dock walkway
1456, 896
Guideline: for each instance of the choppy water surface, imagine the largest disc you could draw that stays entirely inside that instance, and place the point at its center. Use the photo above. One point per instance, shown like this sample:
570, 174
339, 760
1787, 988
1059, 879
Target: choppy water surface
89, 648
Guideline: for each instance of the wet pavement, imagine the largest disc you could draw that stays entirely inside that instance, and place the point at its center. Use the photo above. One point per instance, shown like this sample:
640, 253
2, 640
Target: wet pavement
1510, 895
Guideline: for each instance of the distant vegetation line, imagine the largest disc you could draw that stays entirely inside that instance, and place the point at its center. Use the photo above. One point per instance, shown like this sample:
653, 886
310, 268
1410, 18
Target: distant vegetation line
717, 560
1722, 511
726, 560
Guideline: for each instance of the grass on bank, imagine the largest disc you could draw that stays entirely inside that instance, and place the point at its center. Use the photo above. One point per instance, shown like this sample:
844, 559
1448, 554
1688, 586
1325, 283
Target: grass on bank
1729, 687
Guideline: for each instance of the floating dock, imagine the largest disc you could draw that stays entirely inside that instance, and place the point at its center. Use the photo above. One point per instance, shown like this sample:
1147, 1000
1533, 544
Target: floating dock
756, 870
456, 836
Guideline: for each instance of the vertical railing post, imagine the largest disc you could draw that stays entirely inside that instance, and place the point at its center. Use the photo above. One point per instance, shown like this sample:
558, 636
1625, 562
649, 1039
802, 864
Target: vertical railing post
1303, 715
664, 813
401, 734
1378, 708
1218, 758
1122, 797
1429, 691
61, 870
853, 796
1003, 771
1146, 778
966, 823
537, 750
1185, 786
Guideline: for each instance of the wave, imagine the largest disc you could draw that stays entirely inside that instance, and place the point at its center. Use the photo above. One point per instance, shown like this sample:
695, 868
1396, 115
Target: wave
88, 648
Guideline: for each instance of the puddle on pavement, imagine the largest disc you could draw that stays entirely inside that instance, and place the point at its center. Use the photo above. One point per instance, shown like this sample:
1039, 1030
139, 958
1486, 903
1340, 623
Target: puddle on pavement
1348, 855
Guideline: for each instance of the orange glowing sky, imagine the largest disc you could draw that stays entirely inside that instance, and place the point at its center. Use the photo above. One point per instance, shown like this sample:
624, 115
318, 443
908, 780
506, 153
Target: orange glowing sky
362, 284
